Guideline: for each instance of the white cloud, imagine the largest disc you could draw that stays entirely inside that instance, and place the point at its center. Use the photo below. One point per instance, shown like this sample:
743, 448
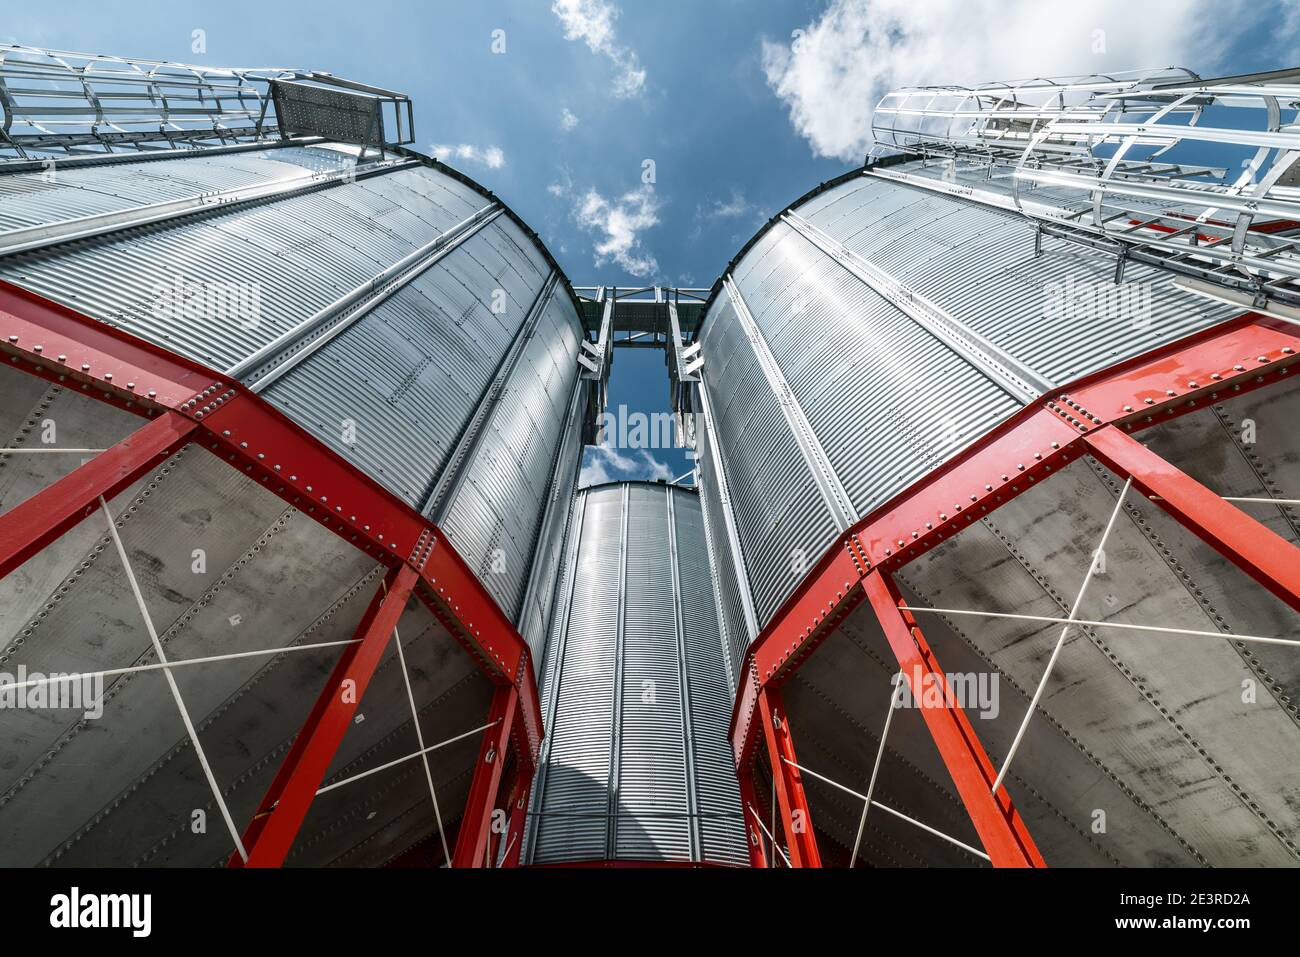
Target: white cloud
567, 120
832, 76
603, 463
618, 225
592, 21
736, 206
490, 156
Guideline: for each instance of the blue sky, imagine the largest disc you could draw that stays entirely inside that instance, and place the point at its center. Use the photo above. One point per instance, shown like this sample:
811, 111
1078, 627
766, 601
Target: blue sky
742, 105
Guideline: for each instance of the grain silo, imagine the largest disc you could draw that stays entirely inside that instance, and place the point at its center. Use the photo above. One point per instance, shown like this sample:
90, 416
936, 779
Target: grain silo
636, 692
339, 390
1002, 424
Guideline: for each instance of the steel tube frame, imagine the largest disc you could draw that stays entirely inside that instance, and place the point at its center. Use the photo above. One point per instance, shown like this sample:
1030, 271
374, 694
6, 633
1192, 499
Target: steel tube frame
1092, 416
190, 402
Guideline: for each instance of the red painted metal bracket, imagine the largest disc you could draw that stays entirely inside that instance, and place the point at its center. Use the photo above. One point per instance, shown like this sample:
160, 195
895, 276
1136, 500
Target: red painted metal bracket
476, 826
282, 811
31, 525
1001, 829
796, 818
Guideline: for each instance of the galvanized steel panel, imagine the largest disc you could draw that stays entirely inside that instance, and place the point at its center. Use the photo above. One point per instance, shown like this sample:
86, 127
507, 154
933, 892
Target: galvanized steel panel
496, 526
626, 675
779, 511
978, 263
61, 192
292, 257
728, 578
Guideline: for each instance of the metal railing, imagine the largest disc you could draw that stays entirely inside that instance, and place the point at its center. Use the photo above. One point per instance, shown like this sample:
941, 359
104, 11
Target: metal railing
57, 104
1120, 161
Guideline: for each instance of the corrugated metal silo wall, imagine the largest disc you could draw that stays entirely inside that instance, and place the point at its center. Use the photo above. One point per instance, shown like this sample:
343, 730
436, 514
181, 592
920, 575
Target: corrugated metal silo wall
886, 399
396, 391
635, 690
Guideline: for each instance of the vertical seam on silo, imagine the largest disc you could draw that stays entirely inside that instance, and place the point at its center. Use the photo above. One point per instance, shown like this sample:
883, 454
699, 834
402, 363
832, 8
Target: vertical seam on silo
548, 510
724, 632
553, 679
683, 687
728, 516
837, 500
615, 743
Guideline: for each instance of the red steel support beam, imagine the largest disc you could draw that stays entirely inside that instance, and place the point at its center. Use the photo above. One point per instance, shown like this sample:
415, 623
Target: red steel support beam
999, 825
754, 839
476, 825
796, 820
281, 813
1261, 553
31, 525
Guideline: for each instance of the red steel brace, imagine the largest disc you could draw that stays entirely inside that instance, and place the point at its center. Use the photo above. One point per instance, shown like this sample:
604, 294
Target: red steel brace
514, 836
31, 525
796, 819
999, 825
282, 811
1263, 554
476, 826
